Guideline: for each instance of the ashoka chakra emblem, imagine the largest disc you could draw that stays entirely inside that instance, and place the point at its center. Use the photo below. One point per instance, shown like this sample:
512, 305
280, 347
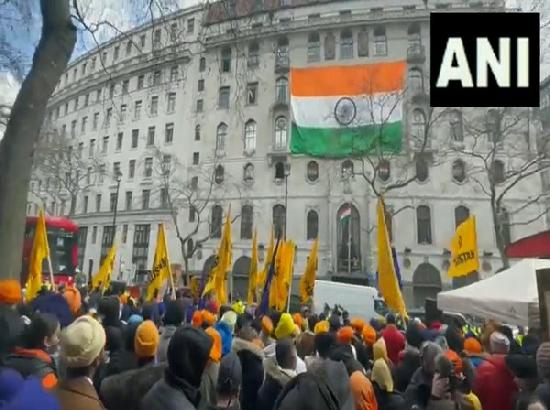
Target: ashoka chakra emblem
345, 111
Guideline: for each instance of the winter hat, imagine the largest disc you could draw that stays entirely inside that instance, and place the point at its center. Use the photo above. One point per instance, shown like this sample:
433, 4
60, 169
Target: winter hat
196, 321
499, 343
298, 319
82, 342
523, 367
472, 346
72, 296
10, 291
543, 360
229, 318
322, 326
345, 335
32, 396
286, 327
216, 349
207, 317
146, 340
381, 375
267, 325
357, 324
229, 375
135, 319
369, 335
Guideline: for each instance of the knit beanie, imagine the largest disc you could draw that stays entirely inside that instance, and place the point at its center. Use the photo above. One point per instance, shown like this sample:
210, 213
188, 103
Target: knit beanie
267, 325
345, 335
196, 321
321, 327
357, 324
146, 340
216, 349
369, 335
72, 296
229, 318
207, 317
10, 291
82, 342
286, 327
543, 360
499, 343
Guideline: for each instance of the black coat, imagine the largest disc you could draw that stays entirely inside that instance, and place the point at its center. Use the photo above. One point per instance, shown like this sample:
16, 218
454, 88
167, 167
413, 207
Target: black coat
164, 396
30, 362
251, 357
268, 393
388, 401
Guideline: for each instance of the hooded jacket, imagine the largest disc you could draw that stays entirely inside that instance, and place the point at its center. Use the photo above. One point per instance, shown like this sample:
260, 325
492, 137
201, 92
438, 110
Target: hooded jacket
494, 384
336, 375
419, 390
33, 362
276, 379
395, 342
227, 336
251, 357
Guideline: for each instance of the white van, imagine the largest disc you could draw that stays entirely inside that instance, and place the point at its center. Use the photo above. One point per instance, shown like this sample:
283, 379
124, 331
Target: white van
359, 301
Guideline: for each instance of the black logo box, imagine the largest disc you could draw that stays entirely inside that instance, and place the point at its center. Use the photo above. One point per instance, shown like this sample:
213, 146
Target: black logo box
469, 27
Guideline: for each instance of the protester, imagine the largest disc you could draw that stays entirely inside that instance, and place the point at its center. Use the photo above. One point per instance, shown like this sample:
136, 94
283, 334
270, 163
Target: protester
82, 346
474, 351
395, 341
305, 343
210, 375
247, 347
225, 327
524, 369
386, 397
543, 370
187, 355
174, 316
418, 391
229, 383
267, 331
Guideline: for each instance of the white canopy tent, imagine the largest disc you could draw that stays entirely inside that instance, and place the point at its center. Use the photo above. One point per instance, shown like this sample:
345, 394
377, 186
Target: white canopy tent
509, 296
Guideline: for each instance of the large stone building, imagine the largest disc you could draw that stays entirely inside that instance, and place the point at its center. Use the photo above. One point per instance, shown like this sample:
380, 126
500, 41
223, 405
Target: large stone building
206, 91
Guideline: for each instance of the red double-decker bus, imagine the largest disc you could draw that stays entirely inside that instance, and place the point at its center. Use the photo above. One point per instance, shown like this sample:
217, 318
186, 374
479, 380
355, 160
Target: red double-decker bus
62, 239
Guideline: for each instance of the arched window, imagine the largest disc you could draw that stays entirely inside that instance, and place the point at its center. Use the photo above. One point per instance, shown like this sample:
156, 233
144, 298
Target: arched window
418, 128
312, 224
422, 169
219, 174
279, 220
416, 81
347, 168
281, 132
363, 43
216, 221
248, 173
455, 123
493, 126
348, 238
313, 48
330, 47
384, 170
414, 36
498, 171
202, 64
461, 214
253, 55
424, 225
279, 170
459, 170
250, 137
221, 134
197, 132
380, 45
346, 44
226, 60
312, 171
281, 90
247, 221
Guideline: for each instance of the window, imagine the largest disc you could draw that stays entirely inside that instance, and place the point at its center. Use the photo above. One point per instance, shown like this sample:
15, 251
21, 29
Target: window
363, 43
459, 170
83, 125
313, 48
216, 222
223, 98
94, 235
384, 170
101, 173
125, 86
150, 136
119, 141
156, 77
253, 59
202, 64
252, 93
89, 175
219, 174
135, 138
137, 110
112, 90
154, 105
128, 47
279, 220
169, 133
86, 100
199, 105
105, 146
281, 132
248, 173
422, 169
142, 40
195, 183
493, 126
157, 36
145, 198
250, 136
173, 31
73, 128
380, 45
424, 225
76, 103
64, 130
91, 148
131, 168
166, 164
66, 108
312, 224
461, 214
282, 58
98, 95
173, 73
108, 116
226, 59
124, 233
414, 37
221, 134
80, 149
190, 25
85, 204
281, 90
98, 202
141, 246
247, 221
418, 128
93, 63
140, 81
148, 168
112, 202
415, 81
192, 214
279, 170
346, 44
116, 170
200, 85
197, 132
164, 202
498, 172
123, 110
347, 169
455, 123
330, 47
312, 171
171, 103
195, 158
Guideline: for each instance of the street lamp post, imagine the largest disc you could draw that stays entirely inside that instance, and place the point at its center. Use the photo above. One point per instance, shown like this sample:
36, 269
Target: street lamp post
287, 174
118, 179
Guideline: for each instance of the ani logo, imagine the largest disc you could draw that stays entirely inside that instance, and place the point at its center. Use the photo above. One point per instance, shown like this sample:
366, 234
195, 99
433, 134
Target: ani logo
345, 111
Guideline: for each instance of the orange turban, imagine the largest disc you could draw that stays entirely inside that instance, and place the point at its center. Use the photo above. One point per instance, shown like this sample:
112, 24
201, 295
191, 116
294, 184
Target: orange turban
357, 324
369, 335
345, 335
10, 291
208, 317
267, 325
216, 349
196, 320
472, 346
72, 296
298, 319
456, 360
124, 298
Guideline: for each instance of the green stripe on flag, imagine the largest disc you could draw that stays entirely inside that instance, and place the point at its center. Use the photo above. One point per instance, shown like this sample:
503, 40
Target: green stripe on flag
345, 142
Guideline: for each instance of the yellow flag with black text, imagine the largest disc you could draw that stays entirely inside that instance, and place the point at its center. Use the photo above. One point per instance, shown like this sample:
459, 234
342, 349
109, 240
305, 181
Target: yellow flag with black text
102, 279
307, 281
253, 271
161, 266
464, 255
40, 251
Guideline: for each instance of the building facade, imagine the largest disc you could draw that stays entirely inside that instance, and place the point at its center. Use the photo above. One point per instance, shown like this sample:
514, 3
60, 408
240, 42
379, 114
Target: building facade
178, 120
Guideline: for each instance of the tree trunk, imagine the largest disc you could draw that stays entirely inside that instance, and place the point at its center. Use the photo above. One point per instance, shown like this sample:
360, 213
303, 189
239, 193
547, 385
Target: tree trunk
501, 246
16, 149
72, 211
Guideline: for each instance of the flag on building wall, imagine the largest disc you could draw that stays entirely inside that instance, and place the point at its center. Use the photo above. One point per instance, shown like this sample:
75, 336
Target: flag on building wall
253, 271
464, 255
307, 281
161, 266
343, 110
102, 279
40, 251
387, 278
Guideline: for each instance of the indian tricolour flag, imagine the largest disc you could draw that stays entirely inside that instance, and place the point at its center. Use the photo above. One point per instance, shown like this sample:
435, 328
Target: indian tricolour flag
345, 215
343, 110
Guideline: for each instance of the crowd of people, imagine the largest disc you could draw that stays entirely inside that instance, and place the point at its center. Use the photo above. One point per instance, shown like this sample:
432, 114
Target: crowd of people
67, 350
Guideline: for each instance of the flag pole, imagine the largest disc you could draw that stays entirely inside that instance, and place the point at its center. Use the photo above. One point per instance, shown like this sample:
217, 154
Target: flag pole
51, 272
161, 226
349, 238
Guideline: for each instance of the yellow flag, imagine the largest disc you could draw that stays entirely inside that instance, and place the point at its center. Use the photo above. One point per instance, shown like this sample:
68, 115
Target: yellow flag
253, 272
161, 266
102, 278
262, 275
464, 256
387, 278
284, 269
307, 281
40, 251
